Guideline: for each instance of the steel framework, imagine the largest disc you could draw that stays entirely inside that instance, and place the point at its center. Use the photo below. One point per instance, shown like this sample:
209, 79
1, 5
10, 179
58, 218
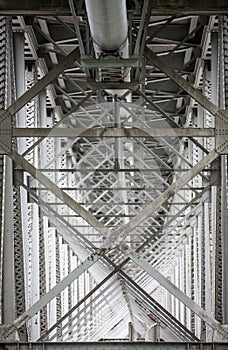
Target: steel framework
113, 173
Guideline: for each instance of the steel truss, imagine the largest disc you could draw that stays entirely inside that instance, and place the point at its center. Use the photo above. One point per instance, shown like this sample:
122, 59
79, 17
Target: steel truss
114, 189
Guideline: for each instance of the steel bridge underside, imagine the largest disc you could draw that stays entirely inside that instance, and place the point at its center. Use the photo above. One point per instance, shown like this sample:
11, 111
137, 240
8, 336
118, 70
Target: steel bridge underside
113, 175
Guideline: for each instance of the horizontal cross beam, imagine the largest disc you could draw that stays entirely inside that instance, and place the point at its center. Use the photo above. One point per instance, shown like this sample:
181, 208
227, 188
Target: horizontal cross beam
113, 170
161, 7
88, 62
113, 132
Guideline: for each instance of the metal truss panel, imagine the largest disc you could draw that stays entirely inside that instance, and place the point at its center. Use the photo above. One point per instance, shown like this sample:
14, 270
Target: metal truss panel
221, 142
5, 133
5, 118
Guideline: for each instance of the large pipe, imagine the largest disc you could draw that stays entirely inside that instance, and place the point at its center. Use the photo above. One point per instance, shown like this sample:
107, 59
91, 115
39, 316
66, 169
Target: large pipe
108, 24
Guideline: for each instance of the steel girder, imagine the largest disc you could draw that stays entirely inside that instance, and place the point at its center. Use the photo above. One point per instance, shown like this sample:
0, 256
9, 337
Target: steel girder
60, 8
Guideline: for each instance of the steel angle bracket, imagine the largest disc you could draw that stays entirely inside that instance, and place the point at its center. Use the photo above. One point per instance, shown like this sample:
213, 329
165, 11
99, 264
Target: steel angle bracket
5, 132
221, 132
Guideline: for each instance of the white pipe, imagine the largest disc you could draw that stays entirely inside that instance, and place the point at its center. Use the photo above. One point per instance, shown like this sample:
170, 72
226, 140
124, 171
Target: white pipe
108, 24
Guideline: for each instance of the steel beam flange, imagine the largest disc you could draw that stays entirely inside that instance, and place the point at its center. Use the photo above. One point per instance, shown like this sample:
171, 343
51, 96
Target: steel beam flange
5, 132
214, 172
221, 333
8, 332
221, 132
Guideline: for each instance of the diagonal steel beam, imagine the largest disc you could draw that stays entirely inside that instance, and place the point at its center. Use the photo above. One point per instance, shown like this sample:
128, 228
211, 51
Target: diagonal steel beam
72, 110
116, 269
112, 237
169, 119
159, 310
87, 296
106, 295
116, 237
42, 83
58, 192
162, 280
184, 84
71, 235
56, 290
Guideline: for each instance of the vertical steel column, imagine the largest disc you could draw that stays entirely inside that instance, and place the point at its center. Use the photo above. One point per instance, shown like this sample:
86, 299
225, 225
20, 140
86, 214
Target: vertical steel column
8, 282
176, 282
224, 222
42, 273
201, 233
19, 63
32, 209
192, 279
210, 234
58, 298
196, 276
35, 321
119, 158
182, 286
70, 291
19, 195
188, 279
42, 122
224, 225
201, 262
52, 275
3, 105
1, 222
209, 265
64, 271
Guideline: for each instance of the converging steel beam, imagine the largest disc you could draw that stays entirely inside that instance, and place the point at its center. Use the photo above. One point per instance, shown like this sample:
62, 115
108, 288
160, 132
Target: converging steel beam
73, 110
87, 216
158, 309
116, 237
56, 290
113, 132
116, 269
174, 290
40, 85
184, 84
80, 302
